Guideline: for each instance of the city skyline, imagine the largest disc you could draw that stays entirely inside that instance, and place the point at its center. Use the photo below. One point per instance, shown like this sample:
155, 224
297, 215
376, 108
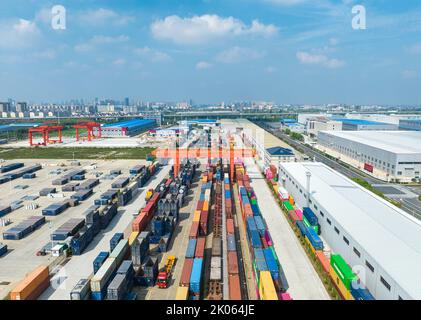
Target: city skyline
298, 52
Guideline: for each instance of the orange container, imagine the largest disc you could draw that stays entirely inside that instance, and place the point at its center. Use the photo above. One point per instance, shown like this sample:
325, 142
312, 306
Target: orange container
323, 260
230, 226
232, 263
234, 287
205, 206
196, 216
33, 285
194, 230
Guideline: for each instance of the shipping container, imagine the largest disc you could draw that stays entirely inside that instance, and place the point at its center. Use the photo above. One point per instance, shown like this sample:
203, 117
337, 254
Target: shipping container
323, 261
230, 226
234, 287
267, 289
191, 248
186, 273
120, 251
343, 270
314, 239
310, 216
182, 293
232, 263
117, 288
81, 291
133, 237
196, 276
216, 247
194, 230
216, 269
101, 279
33, 285
361, 294
99, 260
3, 249
200, 247
231, 244
115, 240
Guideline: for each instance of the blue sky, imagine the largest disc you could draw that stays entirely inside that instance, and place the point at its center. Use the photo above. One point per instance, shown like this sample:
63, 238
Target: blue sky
287, 51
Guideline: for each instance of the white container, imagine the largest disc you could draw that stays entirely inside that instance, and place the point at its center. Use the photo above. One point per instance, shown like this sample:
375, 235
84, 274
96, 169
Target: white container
99, 280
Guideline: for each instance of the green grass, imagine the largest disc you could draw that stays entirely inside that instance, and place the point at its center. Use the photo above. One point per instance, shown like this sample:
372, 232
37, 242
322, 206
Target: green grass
76, 153
369, 187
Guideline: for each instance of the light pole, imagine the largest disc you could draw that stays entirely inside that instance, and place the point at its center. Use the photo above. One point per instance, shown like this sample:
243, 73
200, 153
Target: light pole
308, 175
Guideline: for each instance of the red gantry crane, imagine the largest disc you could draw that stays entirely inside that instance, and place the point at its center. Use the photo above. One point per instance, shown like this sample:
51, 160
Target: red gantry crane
89, 126
45, 130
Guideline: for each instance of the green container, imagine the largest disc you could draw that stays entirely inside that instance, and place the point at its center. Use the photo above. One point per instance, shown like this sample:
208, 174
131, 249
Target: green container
253, 200
308, 225
343, 271
288, 205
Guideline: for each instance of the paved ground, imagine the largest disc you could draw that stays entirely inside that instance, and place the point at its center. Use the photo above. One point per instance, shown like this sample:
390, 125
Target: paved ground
304, 283
21, 257
79, 267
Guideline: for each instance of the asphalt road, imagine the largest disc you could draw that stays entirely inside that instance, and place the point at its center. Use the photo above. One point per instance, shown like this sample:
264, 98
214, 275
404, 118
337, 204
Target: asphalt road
410, 205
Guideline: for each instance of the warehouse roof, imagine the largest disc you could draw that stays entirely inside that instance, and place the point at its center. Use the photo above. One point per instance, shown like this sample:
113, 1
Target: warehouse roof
411, 120
17, 126
359, 122
130, 124
405, 142
388, 234
279, 151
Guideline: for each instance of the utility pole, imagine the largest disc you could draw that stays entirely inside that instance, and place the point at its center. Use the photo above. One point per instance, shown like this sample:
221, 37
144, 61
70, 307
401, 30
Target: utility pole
308, 175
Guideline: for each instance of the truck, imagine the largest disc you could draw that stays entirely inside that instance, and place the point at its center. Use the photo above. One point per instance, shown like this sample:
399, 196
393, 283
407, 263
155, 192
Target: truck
149, 194
165, 274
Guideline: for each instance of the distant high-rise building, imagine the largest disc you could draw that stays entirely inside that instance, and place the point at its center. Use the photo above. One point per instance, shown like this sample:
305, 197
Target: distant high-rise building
21, 107
5, 107
126, 102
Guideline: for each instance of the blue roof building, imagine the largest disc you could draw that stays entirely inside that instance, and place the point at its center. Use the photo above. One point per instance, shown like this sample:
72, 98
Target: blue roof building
410, 124
360, 124
127, 128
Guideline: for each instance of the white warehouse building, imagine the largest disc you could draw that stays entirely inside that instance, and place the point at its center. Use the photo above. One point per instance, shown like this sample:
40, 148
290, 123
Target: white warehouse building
371, 234
388, 155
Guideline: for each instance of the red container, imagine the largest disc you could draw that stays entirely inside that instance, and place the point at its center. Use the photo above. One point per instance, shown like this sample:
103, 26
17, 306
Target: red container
200, 205
293, 215
139, 224
185, 274
194, 230
323, 260
203, 230
234, 287
232, 263
230, 226
200, 247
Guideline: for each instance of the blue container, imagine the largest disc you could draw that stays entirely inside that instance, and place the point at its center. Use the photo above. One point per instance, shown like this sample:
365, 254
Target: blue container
260, 225
271, 263
115, 240
255, 240
314, 239
302, 227
98, 295
361, 294
260, 261
99, 260
251, 225
126, 268
3, 249
29, 175
310, 216
231, 242
255, 209
11, 166
191, 248
196, 275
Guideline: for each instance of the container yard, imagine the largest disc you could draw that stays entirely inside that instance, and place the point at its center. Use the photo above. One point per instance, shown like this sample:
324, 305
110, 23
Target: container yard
221, 228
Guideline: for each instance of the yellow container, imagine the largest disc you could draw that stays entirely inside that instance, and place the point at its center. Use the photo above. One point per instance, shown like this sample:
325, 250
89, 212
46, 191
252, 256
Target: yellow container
205, 205
267, 289
204, 179
196, 216
133, 237
340, 285
182, 293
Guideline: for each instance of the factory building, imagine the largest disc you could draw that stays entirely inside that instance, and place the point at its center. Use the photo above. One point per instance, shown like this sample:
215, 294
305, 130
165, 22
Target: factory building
279, 154
317, 124
387, 155
379, 241
126, 128
364, 125
410, 124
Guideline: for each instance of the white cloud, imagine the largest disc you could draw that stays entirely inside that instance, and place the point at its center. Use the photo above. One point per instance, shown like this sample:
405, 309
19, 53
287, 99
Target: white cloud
103, 16
409, 74
202, 65
152, 55
319, 59
48, 54
100, 40
238, 54
205, 28
19, 33
119, 62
